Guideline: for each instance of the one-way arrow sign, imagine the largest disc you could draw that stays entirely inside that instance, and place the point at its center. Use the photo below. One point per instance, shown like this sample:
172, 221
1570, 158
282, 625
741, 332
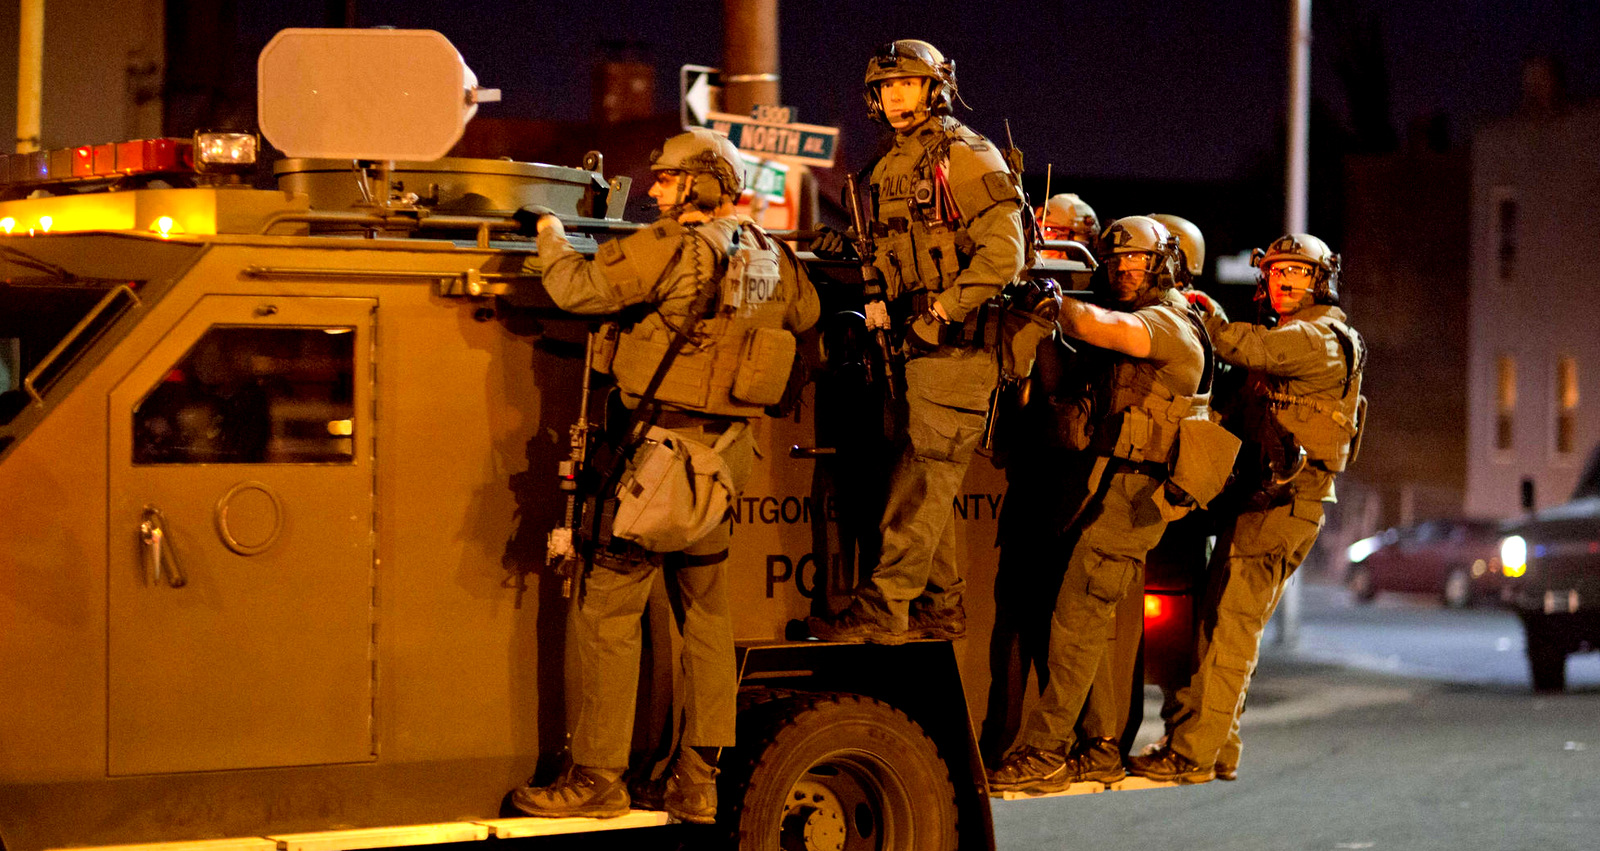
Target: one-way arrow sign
700, 94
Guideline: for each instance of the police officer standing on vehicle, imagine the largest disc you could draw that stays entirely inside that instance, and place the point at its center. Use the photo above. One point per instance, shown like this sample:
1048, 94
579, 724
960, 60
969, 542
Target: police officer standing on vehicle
730, 297
1302, 411
1153, 383
945, 215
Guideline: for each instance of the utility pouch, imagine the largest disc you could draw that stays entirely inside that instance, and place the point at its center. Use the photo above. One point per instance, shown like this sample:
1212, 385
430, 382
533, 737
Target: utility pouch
766, 360
674, 491
799, 377
1131, 429
605, 346
1021, 333
1206, 452
1361, 426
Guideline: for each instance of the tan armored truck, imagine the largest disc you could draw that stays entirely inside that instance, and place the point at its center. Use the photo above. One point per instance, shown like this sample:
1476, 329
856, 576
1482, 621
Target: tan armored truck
276, 474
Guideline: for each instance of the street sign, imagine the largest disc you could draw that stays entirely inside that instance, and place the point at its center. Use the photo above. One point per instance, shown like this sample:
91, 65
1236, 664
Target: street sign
767, 178
699, 94
803, 144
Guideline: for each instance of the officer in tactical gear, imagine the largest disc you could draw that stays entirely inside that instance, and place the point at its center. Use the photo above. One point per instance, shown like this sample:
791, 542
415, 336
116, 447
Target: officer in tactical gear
1153, 384
1191, 249
743, 296
1185, 547
946, 221
1303, 414
1066, 216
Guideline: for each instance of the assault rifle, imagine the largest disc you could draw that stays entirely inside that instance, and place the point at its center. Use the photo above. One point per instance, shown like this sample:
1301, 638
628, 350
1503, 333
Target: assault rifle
877, 308
561, 552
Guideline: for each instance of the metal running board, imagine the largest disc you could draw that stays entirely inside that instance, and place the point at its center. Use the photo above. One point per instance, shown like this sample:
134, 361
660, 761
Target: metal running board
403, 835
1091, 788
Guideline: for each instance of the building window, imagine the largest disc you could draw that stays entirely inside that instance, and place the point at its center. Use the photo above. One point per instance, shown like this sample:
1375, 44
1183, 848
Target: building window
1506, 396
1566, 405
1505, 218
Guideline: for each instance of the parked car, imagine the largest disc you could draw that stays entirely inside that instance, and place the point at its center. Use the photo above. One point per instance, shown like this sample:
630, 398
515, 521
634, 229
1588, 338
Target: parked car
1453, 559
1551, 561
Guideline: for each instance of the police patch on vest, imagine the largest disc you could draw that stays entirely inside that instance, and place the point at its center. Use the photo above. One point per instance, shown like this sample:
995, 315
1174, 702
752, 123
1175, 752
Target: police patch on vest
753, 281
897, 187
762, 284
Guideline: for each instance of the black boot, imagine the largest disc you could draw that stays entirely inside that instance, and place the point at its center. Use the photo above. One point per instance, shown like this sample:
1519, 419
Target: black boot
692, 789
579, 791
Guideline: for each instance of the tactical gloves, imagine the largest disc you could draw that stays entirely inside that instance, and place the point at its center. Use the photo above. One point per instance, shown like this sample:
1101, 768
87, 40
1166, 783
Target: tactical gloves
833, 245
527, 218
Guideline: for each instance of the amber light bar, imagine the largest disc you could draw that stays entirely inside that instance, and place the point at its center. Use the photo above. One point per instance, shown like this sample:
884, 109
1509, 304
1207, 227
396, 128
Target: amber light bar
97, 162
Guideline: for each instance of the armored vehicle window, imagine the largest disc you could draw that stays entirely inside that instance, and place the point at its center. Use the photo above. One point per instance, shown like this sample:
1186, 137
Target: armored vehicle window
253, 395
10, 363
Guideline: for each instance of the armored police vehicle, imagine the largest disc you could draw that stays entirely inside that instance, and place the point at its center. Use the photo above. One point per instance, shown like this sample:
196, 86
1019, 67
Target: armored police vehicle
277, 469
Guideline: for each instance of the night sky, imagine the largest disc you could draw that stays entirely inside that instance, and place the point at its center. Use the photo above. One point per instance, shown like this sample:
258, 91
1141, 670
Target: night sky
1182, 90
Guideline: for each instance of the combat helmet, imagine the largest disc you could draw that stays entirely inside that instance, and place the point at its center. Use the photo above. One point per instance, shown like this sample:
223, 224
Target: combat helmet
909, 57
1141, 234
712, 162
1191, 247
1066, 214
1305, 248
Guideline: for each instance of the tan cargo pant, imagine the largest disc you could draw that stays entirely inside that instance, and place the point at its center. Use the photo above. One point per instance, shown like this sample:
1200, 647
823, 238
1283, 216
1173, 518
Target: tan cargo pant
1259, 553
604, 631
1106, 560
947, 396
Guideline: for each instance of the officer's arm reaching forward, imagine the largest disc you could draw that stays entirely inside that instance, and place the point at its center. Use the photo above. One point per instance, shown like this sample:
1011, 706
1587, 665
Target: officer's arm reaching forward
580, 285
1106, 329
1292, 349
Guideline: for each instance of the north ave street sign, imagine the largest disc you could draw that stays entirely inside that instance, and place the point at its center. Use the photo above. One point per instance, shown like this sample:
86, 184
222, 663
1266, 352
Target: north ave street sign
805, 144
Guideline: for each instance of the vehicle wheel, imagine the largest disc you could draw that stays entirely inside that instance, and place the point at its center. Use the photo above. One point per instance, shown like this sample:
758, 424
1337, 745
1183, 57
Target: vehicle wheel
838, 772
1360, 582
1547, 657
1458, 589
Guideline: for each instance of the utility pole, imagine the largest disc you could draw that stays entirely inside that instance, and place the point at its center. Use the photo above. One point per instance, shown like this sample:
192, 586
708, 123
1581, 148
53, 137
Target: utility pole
750, 78
30, 74
1294, 220
749, 55
1294, 215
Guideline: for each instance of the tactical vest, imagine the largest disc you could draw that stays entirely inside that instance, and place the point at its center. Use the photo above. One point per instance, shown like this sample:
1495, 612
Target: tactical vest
1136, 417
737, 358
1327, 426
920, 208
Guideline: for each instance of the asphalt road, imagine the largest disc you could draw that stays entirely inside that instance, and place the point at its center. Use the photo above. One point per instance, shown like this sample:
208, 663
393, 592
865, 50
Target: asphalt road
1394, 726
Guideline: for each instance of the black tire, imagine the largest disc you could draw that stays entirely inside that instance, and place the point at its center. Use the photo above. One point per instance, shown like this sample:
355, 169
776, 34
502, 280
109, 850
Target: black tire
1547, 656
840, 772
1361, 585
1457, 591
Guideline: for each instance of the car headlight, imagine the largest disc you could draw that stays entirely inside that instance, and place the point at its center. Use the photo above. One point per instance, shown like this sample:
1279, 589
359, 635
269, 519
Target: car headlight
1359, 550
1513, 556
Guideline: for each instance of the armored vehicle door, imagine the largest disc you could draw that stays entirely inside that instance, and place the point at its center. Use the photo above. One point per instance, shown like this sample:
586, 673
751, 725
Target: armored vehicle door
241, 540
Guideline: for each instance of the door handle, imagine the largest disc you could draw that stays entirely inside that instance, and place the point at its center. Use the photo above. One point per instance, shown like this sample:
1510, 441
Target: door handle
158, 550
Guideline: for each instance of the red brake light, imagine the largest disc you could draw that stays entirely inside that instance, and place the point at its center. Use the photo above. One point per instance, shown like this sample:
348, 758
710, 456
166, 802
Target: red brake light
1154, 607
